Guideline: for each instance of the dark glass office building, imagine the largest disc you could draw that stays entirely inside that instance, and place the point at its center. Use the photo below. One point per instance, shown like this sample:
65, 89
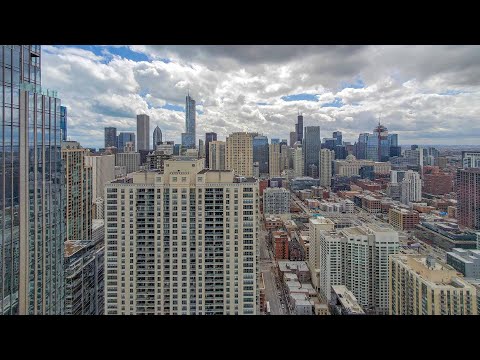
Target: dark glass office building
32, 201
209, 137
110, 137
299, 128
311, 148
63, 122
260, 153
188, 137
123, 138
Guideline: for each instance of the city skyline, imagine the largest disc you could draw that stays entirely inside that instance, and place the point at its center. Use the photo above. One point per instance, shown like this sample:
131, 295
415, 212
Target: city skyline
260, 88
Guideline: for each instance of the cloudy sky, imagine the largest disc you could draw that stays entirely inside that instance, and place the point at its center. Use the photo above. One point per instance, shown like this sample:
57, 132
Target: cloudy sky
426, 94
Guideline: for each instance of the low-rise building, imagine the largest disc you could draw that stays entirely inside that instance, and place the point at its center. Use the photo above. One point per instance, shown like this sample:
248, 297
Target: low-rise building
273, 222
403, 219
343, 302
466, 261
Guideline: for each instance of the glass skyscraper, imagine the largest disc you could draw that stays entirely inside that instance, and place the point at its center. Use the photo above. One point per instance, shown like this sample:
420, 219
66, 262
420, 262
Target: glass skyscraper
209, 137
63, 122
110, 137
188, 137
260, 153
311, 149
123, 138
32, 201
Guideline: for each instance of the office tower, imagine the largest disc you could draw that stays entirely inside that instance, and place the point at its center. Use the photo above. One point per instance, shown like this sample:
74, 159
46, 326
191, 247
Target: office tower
78, 181
343, 302
32, 183
411, 187
396, 176
275, 141
123, 138
416, 157
283, 142
340, 152
217, 155
325, 166
206, 266
436, 182
283, 156
421, 286
157, 137
63, 122
274, 160
130, 160
276, 201
471, 159
239, 150
361, 147
110, 137
311, 148
383, 146
143, 132
103, 170
298, 162
468, 197
315, 226
293, 138
84, 277
177, 149
209, 137
166, 147
337, 135
201, 149
299, 128
260, 153
188, 137
329, 143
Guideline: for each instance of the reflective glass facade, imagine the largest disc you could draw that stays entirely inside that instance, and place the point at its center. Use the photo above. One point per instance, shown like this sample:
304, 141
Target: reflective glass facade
32, 224
188, 137
63, 122
311, 149
260, 153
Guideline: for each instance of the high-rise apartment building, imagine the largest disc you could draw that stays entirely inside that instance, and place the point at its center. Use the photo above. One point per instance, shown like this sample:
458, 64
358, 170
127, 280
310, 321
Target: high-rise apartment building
180, 245
32, 205
468, 197
84, 277
315, 226
311, 149
470, 159
396, 176
411, 189
325, 166
103, 170
143, 132
239, 150
436, 182
209, 137
79, 189
63, 122
110, 137
216, 157
276, 201
123, 138
298, 161
274, 160
157, 137
261, 154
421, 286
188, 137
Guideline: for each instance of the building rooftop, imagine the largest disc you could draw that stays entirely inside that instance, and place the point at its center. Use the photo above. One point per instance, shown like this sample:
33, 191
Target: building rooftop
347, 299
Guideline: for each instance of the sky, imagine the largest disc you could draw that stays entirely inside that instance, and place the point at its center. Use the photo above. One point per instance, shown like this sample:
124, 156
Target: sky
426, 94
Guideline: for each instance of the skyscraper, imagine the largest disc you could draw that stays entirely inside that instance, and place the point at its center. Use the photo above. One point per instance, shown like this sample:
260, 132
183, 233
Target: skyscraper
110, 137
157, 137
337, 135
299, 128
260, 153
209, 137
216, 155
205, 266
63, 122
188, 137
293, 138
32, 205
311, 148
468, 197
103, 170
274, 160
411, 189
471, 159
143, 132
325, 167
201, 149
78, 180
298, 162
123, 138
240, 153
